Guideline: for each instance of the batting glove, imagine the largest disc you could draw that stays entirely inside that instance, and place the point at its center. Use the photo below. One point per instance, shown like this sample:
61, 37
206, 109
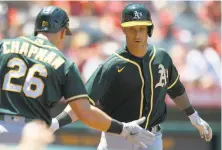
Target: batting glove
54, 125
202, 126
137, 135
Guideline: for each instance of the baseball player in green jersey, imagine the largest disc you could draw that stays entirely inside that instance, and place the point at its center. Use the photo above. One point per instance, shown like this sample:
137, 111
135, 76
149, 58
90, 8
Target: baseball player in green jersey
134, 82
35, 75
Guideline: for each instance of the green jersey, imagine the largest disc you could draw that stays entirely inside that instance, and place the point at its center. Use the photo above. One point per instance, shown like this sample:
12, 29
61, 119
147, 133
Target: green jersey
34, 76
127, 87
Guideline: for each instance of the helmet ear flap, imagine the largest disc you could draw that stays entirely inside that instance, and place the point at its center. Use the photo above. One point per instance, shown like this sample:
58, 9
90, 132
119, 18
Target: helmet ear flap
150, 30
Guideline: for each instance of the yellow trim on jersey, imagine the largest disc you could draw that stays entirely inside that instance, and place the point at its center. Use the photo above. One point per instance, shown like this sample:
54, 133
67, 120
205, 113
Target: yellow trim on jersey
173, 83
76, 97
136, 23
41, 45
91, 101
141, 76
152, 89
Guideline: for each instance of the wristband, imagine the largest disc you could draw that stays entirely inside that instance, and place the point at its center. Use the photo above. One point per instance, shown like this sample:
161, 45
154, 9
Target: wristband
115, 127
64, 119
189, 111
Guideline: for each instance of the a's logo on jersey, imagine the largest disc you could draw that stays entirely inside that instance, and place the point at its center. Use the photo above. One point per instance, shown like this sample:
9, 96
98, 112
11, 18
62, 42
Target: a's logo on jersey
45, 23
137, 15
163, 76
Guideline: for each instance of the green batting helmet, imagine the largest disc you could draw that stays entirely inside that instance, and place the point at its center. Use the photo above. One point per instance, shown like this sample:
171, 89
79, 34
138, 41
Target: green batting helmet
52, 19
137, 14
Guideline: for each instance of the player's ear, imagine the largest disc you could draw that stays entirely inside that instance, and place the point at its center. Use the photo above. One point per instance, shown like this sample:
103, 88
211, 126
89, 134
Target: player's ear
63, 34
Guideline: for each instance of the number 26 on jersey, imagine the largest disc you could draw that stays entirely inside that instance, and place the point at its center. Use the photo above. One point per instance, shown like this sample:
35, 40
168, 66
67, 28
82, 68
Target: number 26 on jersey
30, 79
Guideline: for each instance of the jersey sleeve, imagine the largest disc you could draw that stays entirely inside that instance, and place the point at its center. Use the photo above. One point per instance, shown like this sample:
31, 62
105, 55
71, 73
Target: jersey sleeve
98, 84
175, 87
74, 87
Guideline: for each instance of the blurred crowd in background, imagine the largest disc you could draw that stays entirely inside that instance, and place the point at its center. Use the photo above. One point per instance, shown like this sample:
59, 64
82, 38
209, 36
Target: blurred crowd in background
190, 31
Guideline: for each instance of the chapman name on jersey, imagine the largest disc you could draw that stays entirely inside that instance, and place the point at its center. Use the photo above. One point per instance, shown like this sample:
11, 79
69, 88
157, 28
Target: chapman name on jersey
30, 50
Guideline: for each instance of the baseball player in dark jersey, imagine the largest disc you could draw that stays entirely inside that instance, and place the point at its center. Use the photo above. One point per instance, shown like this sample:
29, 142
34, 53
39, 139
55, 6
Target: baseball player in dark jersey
35, 75
134, 82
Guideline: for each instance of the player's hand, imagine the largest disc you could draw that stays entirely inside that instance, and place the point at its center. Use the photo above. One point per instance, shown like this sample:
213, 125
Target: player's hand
202, 126
35, 135
54, 125
137, 135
